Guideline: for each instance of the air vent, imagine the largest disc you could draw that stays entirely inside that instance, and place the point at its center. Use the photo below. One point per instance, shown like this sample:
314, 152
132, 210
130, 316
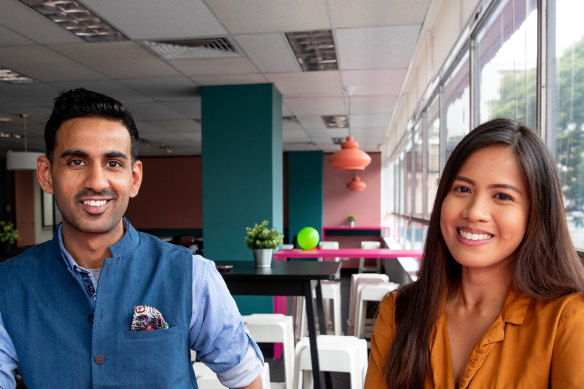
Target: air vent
193, 48
335, 121
338, 140
314, 50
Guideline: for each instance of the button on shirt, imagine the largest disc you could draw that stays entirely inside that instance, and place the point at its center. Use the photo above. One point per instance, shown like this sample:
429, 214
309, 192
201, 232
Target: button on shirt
532, 344
206, 278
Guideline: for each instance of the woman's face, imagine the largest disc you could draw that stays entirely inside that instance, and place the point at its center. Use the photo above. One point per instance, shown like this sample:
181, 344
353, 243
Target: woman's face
485, 213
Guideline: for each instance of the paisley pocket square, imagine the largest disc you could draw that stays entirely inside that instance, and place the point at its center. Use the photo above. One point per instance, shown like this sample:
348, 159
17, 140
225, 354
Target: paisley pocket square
147, 318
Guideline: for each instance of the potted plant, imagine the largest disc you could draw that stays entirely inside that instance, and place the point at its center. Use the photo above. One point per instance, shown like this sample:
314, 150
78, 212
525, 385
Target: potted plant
263, 241
8, 237
351, 220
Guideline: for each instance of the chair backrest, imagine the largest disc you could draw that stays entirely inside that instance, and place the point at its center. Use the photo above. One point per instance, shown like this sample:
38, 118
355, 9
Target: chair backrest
356, 280
370, 244
328, 244
287, 246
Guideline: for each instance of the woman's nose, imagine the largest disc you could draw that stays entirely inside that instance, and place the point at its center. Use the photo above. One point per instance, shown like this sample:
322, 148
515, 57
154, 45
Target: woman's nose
477, 209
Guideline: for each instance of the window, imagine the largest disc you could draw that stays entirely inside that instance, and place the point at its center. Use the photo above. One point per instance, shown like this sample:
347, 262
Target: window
566, 42
457, 105
507, 60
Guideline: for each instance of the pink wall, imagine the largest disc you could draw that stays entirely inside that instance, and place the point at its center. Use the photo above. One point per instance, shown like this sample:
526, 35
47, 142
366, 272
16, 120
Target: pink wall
340, 202
170, 196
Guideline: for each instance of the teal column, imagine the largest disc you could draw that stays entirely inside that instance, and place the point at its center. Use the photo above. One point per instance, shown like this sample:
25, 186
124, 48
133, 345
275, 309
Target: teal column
305, 191
242, 171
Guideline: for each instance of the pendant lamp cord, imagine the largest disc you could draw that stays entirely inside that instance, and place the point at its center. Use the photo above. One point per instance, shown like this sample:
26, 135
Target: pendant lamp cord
24, 116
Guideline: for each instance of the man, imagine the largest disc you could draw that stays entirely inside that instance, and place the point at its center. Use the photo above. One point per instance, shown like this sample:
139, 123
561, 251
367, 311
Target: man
102, 305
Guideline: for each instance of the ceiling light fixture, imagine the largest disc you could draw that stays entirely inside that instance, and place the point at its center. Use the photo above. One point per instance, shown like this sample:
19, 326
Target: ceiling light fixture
22, 160
350, 157
314, 50
7, 75
356, 184
79, 20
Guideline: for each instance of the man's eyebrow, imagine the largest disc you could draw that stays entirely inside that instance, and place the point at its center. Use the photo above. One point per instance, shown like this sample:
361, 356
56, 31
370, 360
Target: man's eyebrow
80, 153
502, 186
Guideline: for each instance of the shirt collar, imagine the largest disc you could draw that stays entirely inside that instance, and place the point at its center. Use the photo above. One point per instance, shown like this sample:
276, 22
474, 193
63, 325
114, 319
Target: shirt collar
515, 307
69, 261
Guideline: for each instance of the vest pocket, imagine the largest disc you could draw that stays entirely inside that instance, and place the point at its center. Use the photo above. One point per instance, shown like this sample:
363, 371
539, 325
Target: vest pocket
150, 335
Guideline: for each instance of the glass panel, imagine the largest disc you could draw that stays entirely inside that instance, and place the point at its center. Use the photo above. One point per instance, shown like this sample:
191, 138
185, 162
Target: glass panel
408, 178
457, 105
507, 50
568, 109
433, 174
418, 172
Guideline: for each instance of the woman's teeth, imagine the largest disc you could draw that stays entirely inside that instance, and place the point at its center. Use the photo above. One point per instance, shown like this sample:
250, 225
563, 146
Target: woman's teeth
469, 236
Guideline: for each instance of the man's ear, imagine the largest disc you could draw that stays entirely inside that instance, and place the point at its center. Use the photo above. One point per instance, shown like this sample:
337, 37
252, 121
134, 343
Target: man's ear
136, 178
44, 174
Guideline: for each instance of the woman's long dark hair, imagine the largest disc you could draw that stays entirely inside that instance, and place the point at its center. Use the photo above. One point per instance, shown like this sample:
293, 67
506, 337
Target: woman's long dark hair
545, 266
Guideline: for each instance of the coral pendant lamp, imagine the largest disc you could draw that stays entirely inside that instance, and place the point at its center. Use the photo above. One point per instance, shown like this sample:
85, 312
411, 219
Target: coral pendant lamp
350, 157
356, 184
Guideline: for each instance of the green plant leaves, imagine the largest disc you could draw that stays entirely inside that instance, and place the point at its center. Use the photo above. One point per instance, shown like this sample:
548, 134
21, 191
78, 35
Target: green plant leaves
262, 237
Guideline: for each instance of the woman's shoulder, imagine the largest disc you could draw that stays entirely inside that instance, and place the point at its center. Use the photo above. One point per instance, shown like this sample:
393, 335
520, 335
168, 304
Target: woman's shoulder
563, 307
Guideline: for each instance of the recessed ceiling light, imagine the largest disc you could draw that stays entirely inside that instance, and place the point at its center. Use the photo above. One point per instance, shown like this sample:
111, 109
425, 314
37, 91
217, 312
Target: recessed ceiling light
193, 48
74, 17
7, 75
314, 50
335, 121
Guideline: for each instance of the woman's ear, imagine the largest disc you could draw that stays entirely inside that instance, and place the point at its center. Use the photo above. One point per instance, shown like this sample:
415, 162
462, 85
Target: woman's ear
44, 174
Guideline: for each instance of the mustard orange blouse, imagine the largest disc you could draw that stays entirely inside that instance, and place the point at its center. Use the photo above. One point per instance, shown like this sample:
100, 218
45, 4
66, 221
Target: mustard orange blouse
532, 344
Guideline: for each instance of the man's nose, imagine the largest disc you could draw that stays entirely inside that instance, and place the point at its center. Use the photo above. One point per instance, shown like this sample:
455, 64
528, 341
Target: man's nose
96, 178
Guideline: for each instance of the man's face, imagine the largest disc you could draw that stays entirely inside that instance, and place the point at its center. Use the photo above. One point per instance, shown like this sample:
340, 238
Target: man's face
91, 174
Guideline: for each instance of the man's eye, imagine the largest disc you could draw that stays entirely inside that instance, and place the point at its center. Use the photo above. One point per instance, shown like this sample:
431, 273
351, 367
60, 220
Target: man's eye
76, 162
114, 164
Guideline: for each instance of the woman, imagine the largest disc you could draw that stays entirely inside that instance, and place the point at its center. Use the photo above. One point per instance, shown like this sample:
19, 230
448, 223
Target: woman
498, 301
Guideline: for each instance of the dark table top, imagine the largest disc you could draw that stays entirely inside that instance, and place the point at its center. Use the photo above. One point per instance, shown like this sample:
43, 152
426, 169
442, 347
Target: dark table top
281, 279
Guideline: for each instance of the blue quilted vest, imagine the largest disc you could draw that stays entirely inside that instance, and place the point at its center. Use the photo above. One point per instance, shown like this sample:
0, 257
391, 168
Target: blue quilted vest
62, 343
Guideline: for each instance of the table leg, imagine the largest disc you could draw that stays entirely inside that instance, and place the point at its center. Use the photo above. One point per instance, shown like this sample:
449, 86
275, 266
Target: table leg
312, 333
322, 325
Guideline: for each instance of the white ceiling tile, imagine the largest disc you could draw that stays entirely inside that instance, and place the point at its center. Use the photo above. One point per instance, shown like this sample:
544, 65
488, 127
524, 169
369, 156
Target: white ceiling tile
202, 67
10, 38
43, 64
312, 121
368, 133
315, 105
118, 59
111, 88
289, 125
163, 88
351, 13
376, 47
35, 93
190, 109
154, 19
32, 25
374, 82
251, 16
176, 126
295, 135
270, 52
373, 104
325, 83
370, 120
316, 133
228, 79
152, 111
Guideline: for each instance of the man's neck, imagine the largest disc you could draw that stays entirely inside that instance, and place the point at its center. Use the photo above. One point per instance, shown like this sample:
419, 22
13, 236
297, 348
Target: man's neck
87, 249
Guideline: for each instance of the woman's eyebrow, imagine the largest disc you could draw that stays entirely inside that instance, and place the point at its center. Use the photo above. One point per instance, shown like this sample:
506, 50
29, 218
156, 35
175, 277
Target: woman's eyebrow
501, 186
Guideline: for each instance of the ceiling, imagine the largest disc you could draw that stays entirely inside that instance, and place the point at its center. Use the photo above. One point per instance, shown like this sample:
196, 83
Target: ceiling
374, 40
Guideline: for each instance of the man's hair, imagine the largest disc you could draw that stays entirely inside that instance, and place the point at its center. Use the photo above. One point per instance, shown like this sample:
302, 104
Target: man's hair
81, 103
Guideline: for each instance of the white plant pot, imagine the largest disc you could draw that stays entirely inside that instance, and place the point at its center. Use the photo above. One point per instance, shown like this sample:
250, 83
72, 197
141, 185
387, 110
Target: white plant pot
262, 257
351, 224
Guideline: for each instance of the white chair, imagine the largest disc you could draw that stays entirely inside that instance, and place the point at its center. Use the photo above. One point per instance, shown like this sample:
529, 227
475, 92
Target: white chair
356, 281
369, 245
275, 328
369, 292
207, 379
336, 354
331, 291
287, 246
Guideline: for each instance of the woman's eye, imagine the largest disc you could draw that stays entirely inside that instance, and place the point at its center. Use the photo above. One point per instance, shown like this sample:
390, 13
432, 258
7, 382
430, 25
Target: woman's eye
503, 196
461, 189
